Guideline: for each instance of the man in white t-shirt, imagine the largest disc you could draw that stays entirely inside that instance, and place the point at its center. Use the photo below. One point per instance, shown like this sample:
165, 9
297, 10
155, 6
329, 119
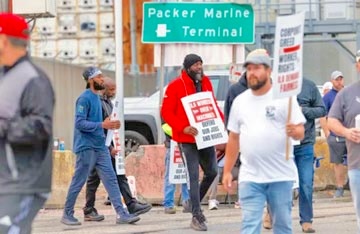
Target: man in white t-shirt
258, 123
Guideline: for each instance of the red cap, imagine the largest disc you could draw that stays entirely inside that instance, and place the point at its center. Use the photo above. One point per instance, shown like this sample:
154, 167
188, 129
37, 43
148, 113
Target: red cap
14, 26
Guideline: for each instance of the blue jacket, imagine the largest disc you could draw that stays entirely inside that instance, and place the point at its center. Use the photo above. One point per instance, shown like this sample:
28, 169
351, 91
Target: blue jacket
88, 132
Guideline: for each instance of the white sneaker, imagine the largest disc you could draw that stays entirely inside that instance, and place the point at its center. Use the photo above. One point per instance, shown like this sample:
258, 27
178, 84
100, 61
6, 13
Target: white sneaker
213, 204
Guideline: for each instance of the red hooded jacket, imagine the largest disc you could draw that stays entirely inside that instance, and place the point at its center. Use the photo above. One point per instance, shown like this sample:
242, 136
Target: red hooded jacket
172, 110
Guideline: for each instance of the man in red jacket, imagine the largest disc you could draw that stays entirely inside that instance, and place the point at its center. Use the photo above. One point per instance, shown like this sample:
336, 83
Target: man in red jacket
191, 81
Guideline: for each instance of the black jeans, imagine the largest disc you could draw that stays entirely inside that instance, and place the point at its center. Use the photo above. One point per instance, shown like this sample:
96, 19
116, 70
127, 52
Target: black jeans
206, 158
93, 183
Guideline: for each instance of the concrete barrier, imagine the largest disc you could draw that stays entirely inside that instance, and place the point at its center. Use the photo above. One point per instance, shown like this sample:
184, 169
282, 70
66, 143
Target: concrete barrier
147, 166
63, 170
324, 175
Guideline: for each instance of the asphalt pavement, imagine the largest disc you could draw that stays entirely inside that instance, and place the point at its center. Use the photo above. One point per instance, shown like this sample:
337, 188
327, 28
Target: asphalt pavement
331, 216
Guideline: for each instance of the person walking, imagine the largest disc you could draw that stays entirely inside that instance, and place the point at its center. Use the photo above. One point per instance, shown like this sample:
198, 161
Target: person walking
256, 119
90, 149
337, 146
234, 90
169, 189
327, 86
312, 107
191, 81
26, 129
93, 182
343, 120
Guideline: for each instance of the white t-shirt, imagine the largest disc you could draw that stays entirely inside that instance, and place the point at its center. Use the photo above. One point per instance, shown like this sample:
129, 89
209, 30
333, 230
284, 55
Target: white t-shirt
261, 122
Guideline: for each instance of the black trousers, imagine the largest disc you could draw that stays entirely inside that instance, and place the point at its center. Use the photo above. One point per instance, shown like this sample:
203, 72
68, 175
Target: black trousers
93, 183
206, 158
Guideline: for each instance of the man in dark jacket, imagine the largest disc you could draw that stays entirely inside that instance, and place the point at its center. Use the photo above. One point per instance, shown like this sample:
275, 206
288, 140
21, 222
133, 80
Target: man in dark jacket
133, 206
312, 107
234, 90
26, 119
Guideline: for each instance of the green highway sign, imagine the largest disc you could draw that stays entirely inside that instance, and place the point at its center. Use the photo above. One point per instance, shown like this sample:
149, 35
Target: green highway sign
177, 22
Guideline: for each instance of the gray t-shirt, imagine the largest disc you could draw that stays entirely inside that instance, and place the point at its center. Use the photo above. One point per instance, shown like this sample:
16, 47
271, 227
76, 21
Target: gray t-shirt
345, 108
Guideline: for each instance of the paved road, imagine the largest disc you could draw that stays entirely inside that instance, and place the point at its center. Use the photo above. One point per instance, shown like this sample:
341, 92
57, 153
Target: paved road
332, 216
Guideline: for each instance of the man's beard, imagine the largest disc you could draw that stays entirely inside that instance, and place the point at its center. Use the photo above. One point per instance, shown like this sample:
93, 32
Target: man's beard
110, 97
98, 86
256, 86
195, 75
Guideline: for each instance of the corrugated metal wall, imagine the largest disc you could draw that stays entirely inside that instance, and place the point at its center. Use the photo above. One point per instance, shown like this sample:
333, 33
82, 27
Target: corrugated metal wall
68, 85
4, 5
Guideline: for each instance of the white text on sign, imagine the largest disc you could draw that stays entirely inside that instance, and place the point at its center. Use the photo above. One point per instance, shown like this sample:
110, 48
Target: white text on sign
209, 13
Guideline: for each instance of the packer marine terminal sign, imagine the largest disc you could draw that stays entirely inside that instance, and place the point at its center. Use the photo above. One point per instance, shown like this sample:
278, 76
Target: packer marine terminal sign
197, 23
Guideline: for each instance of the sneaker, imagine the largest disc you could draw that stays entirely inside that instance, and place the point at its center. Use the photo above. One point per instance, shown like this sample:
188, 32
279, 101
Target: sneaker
137, 208
170, 210
339, 192
198, 223
267, 222
91, 214
203, 217
187, 208
213, 204
127, 218
70, 220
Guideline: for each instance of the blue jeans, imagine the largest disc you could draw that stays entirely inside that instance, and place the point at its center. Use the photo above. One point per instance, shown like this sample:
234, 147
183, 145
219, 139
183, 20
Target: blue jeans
169, 189
252, 201
354, 178
304, 159
85, 162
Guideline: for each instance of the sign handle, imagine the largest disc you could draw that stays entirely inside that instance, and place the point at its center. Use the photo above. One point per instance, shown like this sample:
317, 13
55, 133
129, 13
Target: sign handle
288, 138
234, 54
161, 83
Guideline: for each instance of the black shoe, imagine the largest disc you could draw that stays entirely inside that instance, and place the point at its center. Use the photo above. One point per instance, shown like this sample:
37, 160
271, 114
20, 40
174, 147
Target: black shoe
107, 202
198, 223
137, 208
91, 214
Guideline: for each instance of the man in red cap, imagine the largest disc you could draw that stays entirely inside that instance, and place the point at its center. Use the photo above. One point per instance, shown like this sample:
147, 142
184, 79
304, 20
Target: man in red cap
26, 119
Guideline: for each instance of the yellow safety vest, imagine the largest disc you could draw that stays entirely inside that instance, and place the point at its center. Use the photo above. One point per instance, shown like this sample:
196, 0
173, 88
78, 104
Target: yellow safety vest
167, 129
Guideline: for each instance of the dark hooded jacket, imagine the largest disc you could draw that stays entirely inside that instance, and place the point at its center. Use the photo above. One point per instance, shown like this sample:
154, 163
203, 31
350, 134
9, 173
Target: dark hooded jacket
233, 92
26, 115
